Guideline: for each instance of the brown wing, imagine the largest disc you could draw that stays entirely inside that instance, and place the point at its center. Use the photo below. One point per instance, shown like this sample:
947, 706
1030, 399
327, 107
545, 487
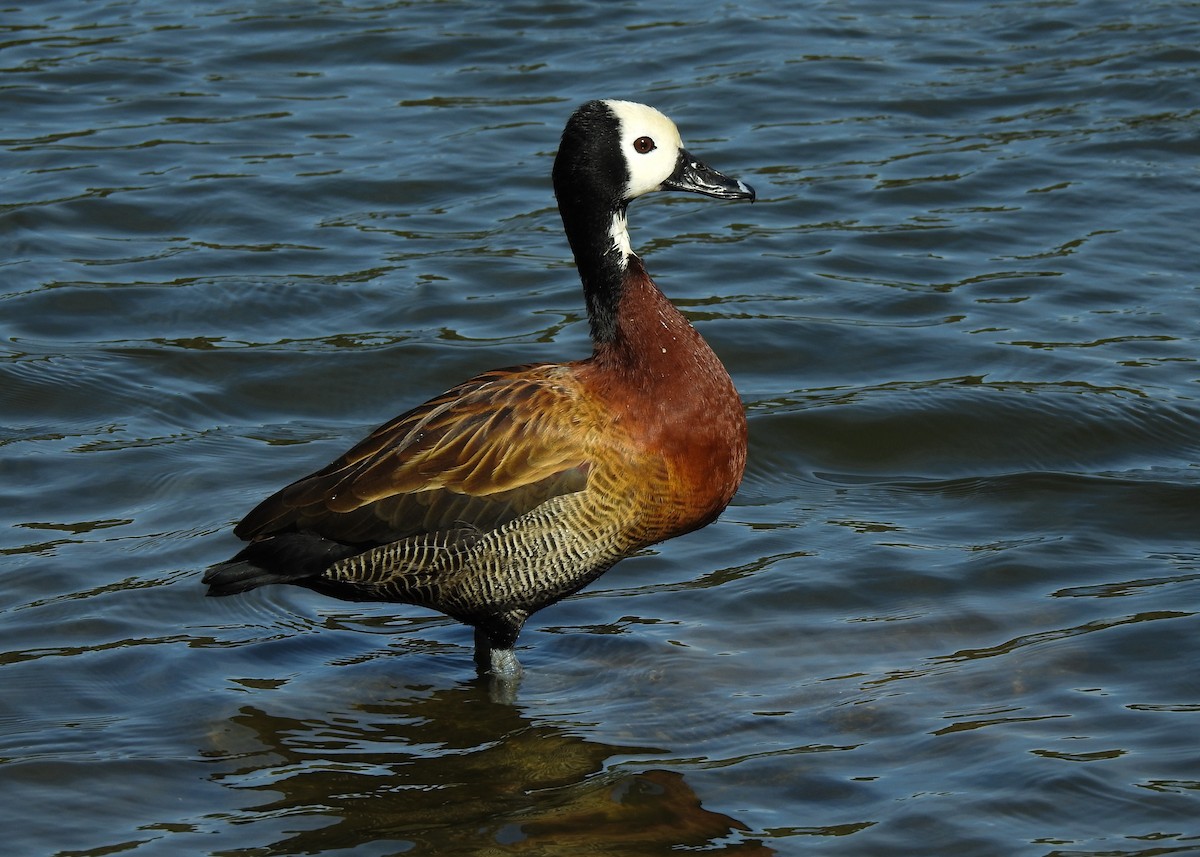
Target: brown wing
476, 456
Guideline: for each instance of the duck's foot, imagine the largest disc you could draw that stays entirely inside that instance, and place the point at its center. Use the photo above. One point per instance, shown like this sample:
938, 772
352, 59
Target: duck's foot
497, 661
503, 664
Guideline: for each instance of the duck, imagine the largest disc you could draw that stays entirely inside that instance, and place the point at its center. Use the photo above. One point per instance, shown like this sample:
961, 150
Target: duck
519, 487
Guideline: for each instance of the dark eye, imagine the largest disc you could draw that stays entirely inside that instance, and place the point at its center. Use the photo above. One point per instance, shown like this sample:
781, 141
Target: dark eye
642, 145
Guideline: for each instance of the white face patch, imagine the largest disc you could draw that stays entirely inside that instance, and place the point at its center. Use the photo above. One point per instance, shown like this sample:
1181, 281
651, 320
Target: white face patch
650, 143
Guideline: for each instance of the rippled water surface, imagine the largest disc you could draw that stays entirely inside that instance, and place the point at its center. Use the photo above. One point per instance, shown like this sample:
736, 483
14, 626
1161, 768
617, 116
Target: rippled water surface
953, 609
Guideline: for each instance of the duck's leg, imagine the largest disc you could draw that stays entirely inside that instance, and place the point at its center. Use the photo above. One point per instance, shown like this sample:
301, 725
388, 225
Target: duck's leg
494, 646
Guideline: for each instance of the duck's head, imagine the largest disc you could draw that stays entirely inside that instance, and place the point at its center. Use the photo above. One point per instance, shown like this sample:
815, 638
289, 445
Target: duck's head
615, 151
611, 153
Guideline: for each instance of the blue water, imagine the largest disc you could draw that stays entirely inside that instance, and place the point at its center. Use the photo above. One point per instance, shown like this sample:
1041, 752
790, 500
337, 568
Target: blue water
953, 609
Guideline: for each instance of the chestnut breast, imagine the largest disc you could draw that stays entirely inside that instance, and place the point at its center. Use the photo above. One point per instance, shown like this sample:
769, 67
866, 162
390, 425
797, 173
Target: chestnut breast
675, 404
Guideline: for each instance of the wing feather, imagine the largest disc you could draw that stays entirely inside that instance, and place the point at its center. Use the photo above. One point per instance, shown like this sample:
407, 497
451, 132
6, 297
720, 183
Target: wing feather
480, 454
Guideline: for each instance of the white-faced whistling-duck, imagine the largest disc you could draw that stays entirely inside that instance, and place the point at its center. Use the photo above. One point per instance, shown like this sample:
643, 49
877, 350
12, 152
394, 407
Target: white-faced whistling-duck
520, 486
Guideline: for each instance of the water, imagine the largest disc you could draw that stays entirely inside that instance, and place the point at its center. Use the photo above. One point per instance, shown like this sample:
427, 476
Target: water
953, 609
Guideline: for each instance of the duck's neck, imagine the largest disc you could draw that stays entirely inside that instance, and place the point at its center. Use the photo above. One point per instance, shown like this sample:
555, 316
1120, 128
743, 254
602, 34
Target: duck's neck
637, 333
650, 338
599, 240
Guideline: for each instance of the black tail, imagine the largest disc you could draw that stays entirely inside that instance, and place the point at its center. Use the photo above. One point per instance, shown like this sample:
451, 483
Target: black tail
284, 558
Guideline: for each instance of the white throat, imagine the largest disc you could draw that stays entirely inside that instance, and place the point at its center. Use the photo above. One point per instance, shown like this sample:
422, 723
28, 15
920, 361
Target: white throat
618, 232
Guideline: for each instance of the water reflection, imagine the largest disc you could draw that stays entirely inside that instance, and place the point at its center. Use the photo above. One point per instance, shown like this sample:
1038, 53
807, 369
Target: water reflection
495, 776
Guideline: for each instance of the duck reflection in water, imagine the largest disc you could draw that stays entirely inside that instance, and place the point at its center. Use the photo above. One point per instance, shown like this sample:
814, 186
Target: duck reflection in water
452, 771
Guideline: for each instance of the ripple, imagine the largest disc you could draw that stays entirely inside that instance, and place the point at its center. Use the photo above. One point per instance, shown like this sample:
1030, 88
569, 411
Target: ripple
951, 610
970, 425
